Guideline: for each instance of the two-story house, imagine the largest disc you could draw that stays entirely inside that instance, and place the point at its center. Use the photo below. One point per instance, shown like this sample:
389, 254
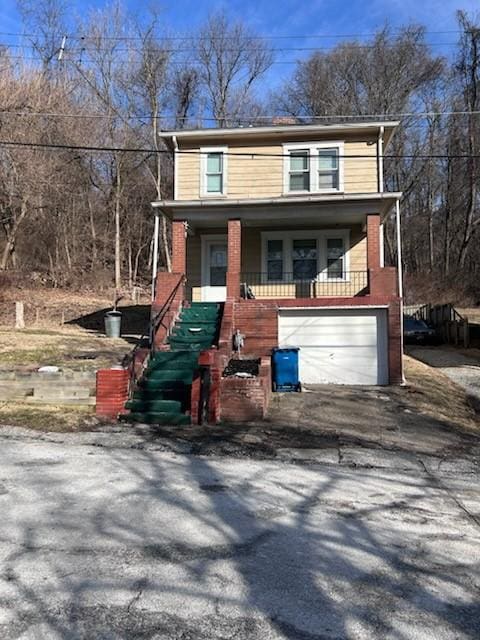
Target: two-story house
283, 225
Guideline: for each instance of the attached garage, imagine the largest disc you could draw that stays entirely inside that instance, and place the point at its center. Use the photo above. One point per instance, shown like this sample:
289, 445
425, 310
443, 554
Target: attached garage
338, 346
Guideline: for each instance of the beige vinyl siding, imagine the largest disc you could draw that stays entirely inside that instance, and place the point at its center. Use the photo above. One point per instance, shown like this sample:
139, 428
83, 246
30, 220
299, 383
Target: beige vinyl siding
360, 174
262, 176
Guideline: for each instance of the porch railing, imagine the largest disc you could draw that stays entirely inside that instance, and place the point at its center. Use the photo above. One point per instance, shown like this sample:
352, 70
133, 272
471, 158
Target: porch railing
348, 284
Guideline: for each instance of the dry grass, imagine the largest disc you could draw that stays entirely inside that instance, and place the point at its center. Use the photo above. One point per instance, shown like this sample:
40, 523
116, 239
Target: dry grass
432, 393
70, 347
472, 313
48, 417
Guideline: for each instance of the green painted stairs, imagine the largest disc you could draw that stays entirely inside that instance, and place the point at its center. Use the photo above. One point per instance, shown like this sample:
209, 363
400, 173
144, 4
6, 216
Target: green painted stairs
163, 393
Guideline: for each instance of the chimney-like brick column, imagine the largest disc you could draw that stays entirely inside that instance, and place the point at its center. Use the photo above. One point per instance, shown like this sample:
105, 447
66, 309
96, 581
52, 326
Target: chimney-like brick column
179, 247
373, 241
234, 266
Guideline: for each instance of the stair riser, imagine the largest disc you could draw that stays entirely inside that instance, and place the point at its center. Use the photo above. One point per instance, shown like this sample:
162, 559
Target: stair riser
159, 418
169, 406
179, 376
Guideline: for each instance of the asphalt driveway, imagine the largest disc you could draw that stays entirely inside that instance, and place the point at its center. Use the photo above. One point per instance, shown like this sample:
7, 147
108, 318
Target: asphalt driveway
103, 537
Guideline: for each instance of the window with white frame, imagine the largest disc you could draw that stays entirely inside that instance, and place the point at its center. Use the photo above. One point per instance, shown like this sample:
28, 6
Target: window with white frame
213, 178
305, 255
327, 169
313, 168
299, 171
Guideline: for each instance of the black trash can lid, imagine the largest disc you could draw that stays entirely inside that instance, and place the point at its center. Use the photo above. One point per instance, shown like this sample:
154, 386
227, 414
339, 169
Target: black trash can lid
279, 349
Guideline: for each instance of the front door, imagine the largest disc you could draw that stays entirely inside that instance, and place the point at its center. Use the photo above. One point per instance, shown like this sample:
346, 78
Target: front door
214, 268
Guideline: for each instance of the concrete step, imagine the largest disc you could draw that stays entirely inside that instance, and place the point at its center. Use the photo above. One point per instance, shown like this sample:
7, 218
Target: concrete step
158, 418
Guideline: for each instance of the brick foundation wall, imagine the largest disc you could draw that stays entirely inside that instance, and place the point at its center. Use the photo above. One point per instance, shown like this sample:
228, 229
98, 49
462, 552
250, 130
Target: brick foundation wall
258, 320
246, 399
112, 392
395, 356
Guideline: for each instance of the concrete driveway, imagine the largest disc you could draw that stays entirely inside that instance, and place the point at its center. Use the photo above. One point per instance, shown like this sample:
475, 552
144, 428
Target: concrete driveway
102, 539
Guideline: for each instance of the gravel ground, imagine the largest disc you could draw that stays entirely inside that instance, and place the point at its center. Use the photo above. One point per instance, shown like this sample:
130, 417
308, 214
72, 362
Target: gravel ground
462, 369
99, 541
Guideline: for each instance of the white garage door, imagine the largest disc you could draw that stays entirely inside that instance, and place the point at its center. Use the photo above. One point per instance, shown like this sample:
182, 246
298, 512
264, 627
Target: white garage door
347, 346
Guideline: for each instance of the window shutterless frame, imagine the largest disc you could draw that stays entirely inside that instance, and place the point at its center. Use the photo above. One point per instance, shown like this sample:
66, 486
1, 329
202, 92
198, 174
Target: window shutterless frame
321, 237
316, 166
207, 169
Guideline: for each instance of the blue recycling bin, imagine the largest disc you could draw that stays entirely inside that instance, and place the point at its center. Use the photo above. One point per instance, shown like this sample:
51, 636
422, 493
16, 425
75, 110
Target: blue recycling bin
285, 369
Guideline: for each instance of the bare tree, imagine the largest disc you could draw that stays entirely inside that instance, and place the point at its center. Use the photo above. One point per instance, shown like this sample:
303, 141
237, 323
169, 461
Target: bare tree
231, 60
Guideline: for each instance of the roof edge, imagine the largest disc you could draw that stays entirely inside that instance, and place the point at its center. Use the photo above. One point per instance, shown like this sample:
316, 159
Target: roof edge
276, 129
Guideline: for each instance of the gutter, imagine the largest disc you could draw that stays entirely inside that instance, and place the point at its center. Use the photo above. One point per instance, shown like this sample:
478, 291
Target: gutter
282, 200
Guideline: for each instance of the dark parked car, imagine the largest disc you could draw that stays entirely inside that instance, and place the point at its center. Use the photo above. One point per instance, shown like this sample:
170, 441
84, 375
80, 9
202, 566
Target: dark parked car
418, 332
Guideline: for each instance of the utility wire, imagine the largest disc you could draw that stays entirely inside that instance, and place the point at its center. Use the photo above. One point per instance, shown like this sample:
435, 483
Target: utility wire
223, 37
161, 49
255, 154
167, 116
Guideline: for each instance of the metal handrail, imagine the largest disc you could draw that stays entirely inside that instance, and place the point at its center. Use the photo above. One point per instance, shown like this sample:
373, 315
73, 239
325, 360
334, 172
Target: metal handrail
150, 332
347, 283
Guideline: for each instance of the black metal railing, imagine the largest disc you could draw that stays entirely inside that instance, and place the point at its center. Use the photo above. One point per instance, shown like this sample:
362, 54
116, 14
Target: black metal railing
345, 284
147, 339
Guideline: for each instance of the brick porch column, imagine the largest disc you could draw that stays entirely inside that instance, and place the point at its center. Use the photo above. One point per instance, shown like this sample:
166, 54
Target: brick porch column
373, 241
234, 265
179, 247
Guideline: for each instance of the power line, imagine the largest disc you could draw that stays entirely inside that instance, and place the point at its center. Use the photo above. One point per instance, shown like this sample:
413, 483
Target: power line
169, 116
224, 37
254, 154
77, 50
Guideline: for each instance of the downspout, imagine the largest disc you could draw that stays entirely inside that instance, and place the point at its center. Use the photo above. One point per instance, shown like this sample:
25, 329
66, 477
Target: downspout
400, 276
175, 168
381, 131
155, 254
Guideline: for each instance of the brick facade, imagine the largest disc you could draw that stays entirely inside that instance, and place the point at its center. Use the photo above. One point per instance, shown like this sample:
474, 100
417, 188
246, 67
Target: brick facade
246, 399
179, 247
258, 321
373, 241
112, 392
234, 259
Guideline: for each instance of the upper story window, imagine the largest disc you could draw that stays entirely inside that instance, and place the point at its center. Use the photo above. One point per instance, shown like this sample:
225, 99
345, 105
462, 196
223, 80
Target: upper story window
328, 171
299, 173
213, 171
314, 168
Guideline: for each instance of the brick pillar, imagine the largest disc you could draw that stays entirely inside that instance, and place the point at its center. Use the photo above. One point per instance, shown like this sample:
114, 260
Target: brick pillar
111, 392
234, 259
373, 241
179, 247
395, 359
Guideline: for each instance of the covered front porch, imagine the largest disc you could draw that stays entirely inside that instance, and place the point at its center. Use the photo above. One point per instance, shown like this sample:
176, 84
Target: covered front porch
316, 250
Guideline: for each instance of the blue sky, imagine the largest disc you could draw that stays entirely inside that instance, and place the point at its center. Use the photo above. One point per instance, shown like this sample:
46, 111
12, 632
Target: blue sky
282, 17
292, 18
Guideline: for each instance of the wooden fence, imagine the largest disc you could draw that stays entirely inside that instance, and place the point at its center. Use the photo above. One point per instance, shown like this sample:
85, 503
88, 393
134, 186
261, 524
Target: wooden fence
451, 327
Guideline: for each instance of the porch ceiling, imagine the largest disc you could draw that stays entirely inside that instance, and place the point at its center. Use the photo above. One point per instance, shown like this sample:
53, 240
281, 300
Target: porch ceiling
342, 209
